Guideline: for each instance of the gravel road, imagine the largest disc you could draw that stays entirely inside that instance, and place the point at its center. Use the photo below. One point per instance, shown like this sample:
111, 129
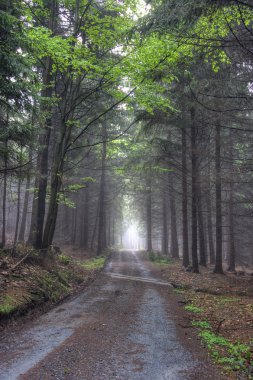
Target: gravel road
120, 327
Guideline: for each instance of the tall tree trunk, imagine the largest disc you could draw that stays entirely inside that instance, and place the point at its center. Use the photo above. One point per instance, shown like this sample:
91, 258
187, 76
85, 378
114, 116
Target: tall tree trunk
209, 220
195, 264
149, 212
33, 223
165, 247
44, 137
109, 239
21, 236
55, 185
202, 246
113, 231
18, 210
231, 257
218, 258
94, 230
85, 229
101, 216
173, 220
4, 192
186, 260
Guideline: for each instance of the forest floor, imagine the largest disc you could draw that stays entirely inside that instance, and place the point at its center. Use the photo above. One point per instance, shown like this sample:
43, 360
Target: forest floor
128, 324
31, 286
221, 308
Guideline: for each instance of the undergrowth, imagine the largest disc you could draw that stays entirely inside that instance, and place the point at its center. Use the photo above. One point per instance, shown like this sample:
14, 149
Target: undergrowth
158, 258
233, 356
33, 283
94, 263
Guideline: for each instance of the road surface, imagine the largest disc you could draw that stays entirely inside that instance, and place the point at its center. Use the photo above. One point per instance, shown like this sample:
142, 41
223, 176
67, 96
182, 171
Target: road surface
127, 325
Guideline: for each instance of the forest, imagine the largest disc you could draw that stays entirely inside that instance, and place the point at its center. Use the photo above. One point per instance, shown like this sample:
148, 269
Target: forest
125, 113
126, 174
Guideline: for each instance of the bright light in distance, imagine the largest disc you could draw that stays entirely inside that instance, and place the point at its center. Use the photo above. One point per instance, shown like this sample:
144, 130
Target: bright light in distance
131, 238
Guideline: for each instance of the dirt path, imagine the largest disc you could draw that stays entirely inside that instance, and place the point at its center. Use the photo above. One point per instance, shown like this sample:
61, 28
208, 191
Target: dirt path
117, 329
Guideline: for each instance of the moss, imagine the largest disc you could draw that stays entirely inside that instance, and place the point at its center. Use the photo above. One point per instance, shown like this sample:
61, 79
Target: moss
11, 303
7, 304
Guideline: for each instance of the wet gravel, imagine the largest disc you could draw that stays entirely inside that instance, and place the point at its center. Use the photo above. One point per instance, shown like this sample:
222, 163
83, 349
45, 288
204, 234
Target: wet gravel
115, 329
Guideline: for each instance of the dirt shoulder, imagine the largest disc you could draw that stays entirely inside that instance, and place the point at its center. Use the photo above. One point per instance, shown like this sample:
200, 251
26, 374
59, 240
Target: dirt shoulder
38, 283
220, 307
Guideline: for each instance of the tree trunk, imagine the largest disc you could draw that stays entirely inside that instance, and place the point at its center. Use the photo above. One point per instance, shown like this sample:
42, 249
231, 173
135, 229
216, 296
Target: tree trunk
85, 232
44, 137
149, 212
195, 264
202, 246
94, 230
209, 220
18, 210
218, 258
55, 185
4, 192
231, 257
173, 221
33, 222
21, 236
186, 260
165, 248
101, 215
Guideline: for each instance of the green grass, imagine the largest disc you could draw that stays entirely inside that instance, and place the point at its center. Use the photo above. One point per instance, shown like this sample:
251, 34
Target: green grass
158, 258
94, 263
194, 309
201, 324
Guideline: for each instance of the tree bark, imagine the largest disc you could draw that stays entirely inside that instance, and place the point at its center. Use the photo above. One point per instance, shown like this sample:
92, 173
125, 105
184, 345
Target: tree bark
186, 260
165, 247
201, 234
218, 258
149, 212
173, 220
101, 215
195, 264
18, 211
231, 257
4, 192
21, 236
44, 137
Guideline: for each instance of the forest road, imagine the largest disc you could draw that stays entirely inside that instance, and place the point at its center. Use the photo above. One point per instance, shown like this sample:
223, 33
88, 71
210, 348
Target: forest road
118, 328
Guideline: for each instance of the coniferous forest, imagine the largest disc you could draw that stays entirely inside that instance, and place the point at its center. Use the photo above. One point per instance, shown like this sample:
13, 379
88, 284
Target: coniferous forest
128, 124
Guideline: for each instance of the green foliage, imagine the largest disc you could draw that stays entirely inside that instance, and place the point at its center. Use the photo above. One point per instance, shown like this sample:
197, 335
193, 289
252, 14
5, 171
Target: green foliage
238, 355
201, 324
94, 263
158, 258
64, 259
194, 309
